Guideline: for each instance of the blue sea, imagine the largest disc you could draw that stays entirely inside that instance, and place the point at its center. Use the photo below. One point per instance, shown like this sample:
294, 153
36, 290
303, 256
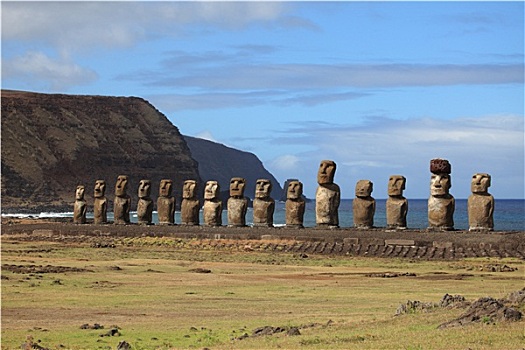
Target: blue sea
509, 214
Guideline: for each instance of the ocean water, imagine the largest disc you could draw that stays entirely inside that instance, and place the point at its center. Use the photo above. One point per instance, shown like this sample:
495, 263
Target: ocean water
509, 214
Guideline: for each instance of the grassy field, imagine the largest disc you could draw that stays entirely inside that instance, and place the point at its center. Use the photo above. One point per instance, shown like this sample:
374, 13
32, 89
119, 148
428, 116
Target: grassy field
163, 294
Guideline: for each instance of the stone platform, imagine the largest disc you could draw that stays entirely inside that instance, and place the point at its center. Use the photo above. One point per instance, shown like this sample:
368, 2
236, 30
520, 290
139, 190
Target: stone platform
415, 244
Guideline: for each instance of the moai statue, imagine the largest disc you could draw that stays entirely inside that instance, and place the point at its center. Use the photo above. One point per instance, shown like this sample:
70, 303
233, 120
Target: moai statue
212, 208
122, 202
480, 204
166, 203
396, 204
364, 205
441, 204
80, 208
327, 196
237, 203
263, 204
295, 205
145, 203
190, 205
100, 204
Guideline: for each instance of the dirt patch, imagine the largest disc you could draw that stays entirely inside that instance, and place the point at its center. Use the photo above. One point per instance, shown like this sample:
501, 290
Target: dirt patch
104, 284
25, 269
200, 270
391, 274
154, 271
436, 276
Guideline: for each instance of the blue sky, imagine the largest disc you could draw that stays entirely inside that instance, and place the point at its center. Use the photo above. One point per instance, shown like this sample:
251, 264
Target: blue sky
379, 87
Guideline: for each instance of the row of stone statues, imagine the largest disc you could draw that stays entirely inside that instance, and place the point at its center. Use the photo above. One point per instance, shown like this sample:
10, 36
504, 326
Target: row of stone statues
441, 204
237, 204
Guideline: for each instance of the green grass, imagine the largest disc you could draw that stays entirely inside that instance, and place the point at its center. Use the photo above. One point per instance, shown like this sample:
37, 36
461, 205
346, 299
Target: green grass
158, 303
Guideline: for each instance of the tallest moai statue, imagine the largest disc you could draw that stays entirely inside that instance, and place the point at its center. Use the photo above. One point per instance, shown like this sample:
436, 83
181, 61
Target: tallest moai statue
441, 204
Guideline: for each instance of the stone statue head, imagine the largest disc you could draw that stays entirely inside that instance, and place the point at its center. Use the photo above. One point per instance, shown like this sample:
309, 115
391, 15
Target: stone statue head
79, 193
100, 189
189, 190
165, 188
144, 188
440, 184
326, 172
294, 190
396, 185
364, 188
212, 190
121, 186
237, 185
480, 183
263, 188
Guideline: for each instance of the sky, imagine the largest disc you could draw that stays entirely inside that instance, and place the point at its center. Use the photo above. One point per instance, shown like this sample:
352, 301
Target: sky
381, 88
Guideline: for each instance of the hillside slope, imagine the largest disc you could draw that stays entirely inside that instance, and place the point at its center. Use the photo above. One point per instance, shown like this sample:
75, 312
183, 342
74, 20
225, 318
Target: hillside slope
221, 163
52, 142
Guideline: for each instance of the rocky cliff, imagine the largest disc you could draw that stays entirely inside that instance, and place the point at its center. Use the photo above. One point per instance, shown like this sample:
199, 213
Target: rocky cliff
52, 142
220, 163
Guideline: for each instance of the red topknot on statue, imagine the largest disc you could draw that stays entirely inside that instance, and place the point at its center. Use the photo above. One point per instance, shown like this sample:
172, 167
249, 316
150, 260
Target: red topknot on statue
440, 166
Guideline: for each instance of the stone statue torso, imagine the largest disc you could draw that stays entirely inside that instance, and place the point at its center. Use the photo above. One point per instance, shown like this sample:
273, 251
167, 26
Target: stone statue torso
441, 212
145, 210
480, 212
79, 212
121, 208
100, 206
295, 213
364, 210
237, 208
212, 212
263, 212
189, 211
327, 198
396, 212
166, 210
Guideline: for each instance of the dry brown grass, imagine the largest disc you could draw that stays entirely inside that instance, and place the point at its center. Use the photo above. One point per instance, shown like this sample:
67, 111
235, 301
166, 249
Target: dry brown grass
152, 294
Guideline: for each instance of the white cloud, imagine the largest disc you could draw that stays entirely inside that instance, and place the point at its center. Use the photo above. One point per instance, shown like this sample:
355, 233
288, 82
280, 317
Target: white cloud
224, 79
203, 101
83, 25
206, 135
326, 76
45, 71
286, 162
